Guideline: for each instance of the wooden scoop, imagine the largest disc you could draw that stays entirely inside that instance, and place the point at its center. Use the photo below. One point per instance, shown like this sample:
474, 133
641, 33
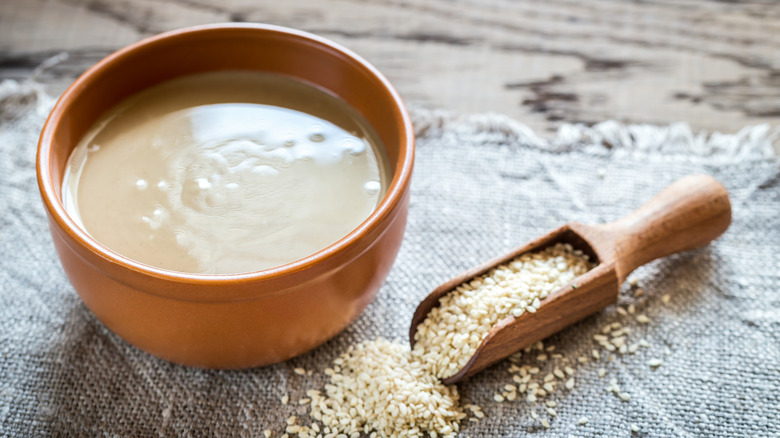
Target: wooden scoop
688, 214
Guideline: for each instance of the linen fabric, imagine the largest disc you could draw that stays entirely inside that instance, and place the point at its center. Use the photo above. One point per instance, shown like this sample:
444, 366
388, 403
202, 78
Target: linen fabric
482, 185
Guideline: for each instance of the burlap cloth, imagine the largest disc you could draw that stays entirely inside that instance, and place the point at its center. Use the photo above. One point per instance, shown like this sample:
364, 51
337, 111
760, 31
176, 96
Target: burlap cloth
482, 184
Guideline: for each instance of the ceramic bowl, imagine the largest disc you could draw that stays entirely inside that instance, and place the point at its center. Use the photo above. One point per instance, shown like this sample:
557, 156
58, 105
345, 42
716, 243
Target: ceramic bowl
241, 320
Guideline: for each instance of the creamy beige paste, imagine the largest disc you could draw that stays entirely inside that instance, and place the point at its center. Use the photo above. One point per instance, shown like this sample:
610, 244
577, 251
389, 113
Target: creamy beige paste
225, 172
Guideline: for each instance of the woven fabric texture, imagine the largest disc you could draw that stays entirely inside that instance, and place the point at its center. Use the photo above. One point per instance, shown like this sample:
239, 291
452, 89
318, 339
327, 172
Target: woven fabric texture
482, 185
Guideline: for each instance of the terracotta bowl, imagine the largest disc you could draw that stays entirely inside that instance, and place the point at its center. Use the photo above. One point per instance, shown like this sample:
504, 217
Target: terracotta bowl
242, 320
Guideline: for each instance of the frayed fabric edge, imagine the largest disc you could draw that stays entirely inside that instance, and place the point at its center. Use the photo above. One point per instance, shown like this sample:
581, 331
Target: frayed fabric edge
676, 140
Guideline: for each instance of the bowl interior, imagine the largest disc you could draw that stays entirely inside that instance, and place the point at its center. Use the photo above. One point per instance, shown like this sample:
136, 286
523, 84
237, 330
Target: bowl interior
227, 47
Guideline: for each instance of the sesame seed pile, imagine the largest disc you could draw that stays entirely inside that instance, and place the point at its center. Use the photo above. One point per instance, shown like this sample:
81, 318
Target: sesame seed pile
381, 388
451, 333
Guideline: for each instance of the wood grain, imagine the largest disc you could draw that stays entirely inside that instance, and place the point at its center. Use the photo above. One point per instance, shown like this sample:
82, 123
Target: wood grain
715, 64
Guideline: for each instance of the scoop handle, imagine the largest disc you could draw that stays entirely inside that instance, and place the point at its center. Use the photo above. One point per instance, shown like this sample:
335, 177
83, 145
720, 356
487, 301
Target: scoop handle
688, 214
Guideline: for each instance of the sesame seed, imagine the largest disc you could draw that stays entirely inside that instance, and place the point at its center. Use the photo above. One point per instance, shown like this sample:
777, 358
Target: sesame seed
551, 412
602, 372
498, 398
267, 433
655, 363
624, 396
570, 384
639, 292
300, 371
634, 428
666, 298
642, 319
583, 421
285, 399
545, 423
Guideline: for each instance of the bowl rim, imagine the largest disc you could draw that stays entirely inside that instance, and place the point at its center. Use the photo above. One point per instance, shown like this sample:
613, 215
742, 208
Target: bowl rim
395, 193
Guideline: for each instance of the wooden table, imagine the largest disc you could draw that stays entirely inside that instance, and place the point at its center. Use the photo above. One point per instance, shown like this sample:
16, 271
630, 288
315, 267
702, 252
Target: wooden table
714, 64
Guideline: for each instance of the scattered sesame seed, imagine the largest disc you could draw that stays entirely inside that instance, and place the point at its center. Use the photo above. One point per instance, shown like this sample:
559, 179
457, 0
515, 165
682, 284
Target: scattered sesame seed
634, 428
633, 281
631, 309
666, 298
602, 372
300, 371
596, 354
583, 421
624, 396
621, 311
498, 398
551, 412
639, 292
642, 319
545, 423
285, 399
655, 363
570, 384
267, 433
